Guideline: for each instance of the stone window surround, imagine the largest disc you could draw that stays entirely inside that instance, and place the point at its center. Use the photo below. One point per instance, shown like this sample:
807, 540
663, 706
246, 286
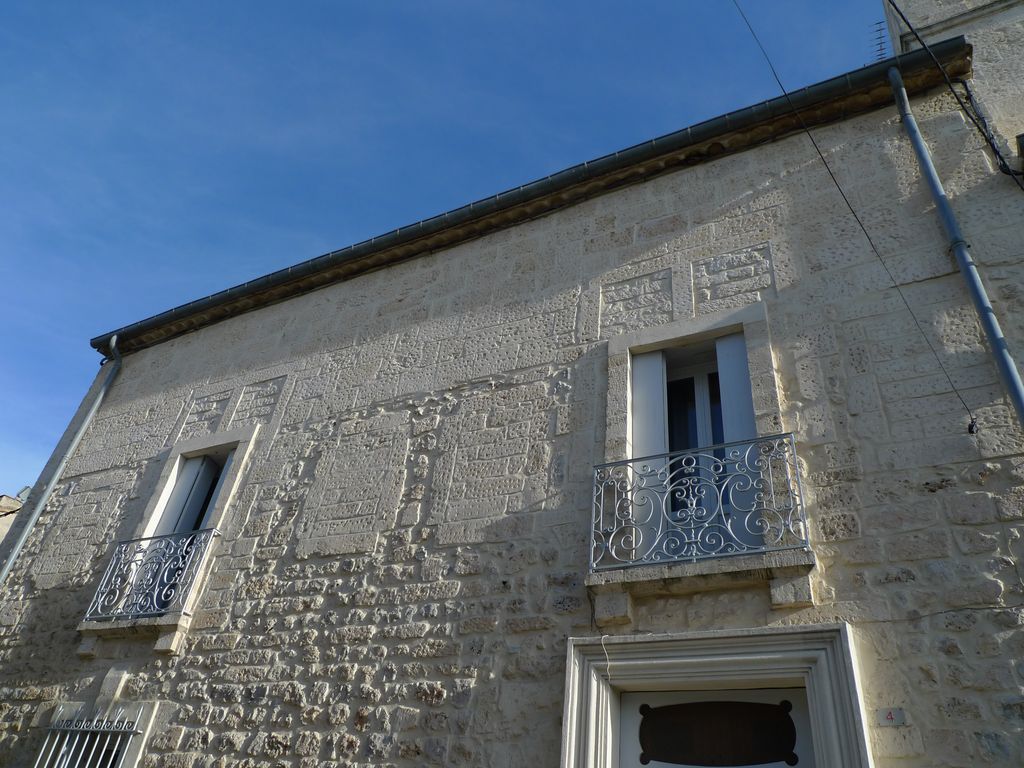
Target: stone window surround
787, 571
818, 658
170, 629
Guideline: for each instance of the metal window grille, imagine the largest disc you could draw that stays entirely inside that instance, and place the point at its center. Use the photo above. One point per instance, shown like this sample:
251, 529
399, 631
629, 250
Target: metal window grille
81, 741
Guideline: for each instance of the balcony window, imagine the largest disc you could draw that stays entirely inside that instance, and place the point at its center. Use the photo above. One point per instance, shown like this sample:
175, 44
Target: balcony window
154, 575
158, 572
701, 484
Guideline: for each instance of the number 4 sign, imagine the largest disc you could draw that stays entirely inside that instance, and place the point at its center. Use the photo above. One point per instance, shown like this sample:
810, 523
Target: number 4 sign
891, 716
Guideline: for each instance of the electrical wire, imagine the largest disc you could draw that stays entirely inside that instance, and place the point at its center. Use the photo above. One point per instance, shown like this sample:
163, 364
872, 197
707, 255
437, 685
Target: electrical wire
972, 112
973, 424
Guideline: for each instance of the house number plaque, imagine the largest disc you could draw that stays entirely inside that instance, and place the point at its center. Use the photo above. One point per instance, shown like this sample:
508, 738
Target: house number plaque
890, 717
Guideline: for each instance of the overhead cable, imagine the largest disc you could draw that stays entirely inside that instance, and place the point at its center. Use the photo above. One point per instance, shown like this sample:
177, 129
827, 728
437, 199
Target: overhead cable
973, 423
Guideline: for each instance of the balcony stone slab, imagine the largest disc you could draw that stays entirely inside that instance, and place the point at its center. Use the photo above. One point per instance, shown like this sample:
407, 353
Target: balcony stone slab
167, 633
787, 573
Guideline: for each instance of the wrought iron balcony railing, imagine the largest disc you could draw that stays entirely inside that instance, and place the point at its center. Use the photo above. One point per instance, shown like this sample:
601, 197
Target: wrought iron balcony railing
731, 499
151, 577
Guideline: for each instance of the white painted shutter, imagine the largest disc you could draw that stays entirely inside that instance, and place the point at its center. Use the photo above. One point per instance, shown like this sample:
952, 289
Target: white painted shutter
734, 382
649, 405
222, 473
191, 488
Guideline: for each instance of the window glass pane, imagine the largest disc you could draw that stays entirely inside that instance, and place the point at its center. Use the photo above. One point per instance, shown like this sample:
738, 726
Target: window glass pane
682, 415
775, 721
715, 397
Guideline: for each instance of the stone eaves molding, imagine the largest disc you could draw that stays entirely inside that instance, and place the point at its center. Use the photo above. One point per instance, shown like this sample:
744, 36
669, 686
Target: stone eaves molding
830, 101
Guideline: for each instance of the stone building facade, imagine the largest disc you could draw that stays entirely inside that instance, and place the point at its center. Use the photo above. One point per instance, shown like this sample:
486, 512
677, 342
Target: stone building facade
9, 506
404, 438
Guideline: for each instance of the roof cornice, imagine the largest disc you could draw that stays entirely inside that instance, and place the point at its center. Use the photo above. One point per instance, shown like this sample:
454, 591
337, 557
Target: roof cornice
827, 102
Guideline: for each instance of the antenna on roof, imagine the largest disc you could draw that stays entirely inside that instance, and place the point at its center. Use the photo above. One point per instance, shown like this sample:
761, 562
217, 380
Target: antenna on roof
879, 44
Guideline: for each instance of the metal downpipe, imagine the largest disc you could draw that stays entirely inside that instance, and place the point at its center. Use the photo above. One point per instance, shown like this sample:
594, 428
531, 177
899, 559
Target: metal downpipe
55, 476
1004, 361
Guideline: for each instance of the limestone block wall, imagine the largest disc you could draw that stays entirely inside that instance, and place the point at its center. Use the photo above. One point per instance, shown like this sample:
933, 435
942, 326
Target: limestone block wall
406, 553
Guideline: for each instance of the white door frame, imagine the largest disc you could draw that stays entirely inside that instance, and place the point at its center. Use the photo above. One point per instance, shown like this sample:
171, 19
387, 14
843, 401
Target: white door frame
819, 658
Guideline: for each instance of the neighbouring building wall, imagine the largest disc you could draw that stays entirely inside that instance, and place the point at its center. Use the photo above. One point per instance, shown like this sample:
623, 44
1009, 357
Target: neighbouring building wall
995, 28
9, 507
944, 14
407, 551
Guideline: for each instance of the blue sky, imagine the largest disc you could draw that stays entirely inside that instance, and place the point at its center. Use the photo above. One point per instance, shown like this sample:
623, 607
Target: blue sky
153, 153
